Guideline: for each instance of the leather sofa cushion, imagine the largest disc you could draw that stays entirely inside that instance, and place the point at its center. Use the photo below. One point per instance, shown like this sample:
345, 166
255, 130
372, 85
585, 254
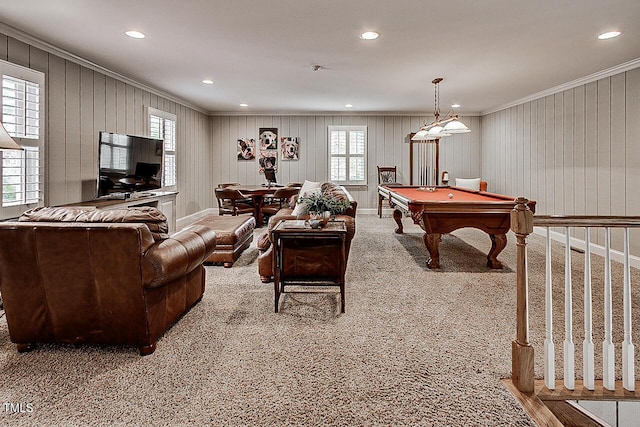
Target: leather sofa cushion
155, 220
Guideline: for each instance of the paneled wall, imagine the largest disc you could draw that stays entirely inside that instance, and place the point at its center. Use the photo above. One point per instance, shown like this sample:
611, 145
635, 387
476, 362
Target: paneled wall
575, 152
460, 154
80, 102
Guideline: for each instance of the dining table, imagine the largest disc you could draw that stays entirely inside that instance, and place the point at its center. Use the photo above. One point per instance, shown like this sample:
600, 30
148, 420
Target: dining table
257, 194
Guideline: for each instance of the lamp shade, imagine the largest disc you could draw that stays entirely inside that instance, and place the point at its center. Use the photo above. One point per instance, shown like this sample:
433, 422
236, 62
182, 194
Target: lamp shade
6, 142
421, 135
456, 126
437, 132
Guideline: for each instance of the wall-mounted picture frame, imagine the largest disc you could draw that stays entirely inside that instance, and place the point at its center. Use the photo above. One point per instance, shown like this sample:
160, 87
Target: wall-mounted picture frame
268, 138
289, 148
267, 159
246, 149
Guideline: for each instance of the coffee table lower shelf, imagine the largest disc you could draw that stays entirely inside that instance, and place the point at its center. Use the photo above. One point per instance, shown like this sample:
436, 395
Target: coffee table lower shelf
305, 256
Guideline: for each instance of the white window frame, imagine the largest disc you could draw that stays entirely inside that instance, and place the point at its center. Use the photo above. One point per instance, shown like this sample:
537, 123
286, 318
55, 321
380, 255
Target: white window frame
348, 155
33, 146
170, 147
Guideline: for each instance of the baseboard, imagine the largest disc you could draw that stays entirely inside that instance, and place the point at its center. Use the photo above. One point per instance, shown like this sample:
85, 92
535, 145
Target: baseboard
580, 244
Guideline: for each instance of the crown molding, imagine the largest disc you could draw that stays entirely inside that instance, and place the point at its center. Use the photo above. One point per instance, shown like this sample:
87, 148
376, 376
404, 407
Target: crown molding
630, 65
47, 47
333, 113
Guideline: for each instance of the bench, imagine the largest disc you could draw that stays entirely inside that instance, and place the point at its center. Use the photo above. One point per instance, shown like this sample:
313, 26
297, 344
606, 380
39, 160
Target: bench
234, 234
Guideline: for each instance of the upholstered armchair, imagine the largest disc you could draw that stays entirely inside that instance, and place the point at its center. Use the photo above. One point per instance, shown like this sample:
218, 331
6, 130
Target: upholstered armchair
111, 277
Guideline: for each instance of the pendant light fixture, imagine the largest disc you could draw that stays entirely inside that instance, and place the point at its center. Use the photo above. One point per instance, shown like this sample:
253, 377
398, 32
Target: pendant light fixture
439, 128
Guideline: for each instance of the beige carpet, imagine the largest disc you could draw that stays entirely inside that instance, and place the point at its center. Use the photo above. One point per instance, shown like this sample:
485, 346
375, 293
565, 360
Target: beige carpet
415, 347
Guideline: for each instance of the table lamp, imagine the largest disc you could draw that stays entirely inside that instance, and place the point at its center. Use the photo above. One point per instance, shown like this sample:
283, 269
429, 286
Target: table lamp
6, 142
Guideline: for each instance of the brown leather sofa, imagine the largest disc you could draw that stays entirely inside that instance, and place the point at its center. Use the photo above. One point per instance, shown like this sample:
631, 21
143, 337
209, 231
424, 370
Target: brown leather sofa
99, 276
265, 247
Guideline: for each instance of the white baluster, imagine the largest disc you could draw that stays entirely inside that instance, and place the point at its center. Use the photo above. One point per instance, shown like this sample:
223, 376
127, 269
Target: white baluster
608, 350
588, 359
549, 347
628, 349
569, 348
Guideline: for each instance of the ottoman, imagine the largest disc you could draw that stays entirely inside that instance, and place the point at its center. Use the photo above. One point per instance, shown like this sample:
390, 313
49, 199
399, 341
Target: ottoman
234, 234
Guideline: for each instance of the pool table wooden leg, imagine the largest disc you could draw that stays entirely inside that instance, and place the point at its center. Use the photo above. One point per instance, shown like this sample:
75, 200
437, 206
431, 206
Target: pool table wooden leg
431, 241
397, 216
498, 243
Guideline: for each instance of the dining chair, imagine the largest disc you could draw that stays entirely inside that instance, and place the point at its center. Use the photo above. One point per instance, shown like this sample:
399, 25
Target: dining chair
278, 200
232, 202
386, 175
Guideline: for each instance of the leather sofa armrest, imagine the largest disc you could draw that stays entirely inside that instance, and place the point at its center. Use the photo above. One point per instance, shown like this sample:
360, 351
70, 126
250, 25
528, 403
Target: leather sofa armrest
178, 255
264, 242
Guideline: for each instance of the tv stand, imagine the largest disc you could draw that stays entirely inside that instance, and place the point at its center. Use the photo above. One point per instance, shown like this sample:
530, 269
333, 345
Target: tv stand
165, 201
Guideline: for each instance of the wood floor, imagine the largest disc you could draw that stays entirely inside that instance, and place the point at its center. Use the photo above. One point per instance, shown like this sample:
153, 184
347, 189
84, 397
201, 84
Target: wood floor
551, 407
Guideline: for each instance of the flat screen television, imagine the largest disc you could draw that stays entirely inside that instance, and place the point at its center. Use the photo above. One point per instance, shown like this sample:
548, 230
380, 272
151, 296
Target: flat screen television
128, 163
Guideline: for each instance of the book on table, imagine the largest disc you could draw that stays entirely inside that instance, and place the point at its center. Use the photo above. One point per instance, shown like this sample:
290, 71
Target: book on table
295, 223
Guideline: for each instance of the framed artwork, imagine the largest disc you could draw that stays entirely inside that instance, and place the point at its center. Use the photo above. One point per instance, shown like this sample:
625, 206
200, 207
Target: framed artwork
268, 138
246, 149
267, 159
289, 147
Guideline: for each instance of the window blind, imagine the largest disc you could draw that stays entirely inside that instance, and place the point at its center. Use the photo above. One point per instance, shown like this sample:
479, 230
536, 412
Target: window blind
164, 128
347, 154
21, 172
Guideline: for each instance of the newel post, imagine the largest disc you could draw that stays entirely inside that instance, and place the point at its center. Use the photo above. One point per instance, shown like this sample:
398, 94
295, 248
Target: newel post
521, 350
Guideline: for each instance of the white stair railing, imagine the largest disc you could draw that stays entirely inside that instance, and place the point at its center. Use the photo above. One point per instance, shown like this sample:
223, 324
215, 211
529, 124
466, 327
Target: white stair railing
522, 223
588, 358
569, 347
608, 349
628, 349
549, 346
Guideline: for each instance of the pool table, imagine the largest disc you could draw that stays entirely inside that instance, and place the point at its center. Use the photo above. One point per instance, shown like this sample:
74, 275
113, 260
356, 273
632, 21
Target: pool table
449, 208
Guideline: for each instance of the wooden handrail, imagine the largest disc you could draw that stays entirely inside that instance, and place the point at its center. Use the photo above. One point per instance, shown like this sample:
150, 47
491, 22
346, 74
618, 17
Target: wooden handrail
586, 221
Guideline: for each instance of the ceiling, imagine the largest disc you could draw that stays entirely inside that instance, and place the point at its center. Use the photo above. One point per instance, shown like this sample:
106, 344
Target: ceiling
490, 52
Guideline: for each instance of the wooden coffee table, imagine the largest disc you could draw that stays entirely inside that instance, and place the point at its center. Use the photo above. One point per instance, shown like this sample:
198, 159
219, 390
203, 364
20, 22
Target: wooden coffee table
295, 260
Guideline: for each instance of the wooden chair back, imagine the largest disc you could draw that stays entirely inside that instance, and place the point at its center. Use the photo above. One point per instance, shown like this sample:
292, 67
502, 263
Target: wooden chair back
232, 201
387, 175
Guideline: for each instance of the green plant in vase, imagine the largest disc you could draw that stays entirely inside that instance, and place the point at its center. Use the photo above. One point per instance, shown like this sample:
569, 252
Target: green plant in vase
317, 203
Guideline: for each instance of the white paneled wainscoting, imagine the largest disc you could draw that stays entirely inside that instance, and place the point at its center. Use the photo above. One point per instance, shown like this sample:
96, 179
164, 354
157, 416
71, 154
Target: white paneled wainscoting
576, 152
84, 99
387, 146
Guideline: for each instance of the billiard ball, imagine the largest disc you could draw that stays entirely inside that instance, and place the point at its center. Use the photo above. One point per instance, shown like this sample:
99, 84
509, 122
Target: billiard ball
451, 195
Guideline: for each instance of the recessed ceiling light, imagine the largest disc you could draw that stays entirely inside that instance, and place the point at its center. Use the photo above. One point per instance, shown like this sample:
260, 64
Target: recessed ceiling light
369, 35
135, 34
609, 35
348, 105
455, 106
244, 105
207, 82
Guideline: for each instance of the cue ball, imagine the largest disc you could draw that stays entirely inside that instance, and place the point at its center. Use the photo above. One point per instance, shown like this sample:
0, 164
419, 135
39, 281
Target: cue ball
451, 195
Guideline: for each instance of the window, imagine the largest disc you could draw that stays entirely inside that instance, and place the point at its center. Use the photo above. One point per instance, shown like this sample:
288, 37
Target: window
347, 154
21, 172
162, 125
